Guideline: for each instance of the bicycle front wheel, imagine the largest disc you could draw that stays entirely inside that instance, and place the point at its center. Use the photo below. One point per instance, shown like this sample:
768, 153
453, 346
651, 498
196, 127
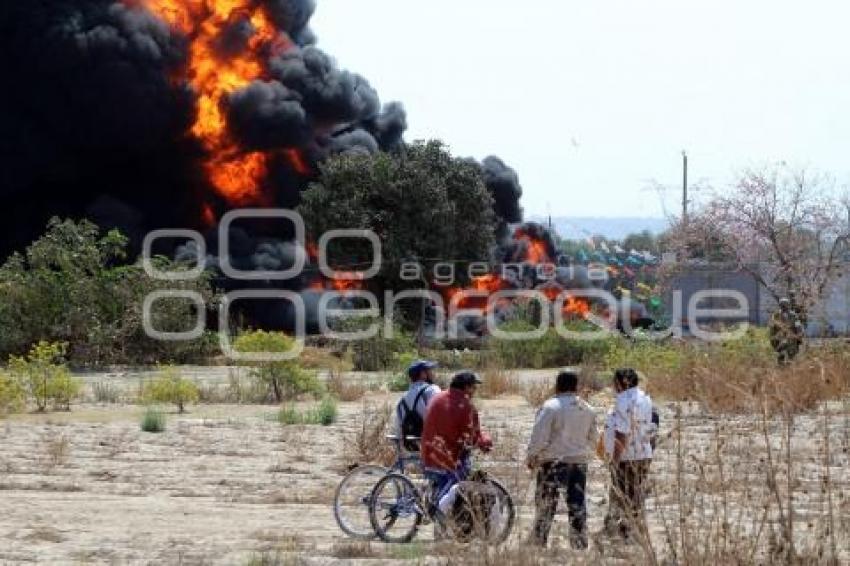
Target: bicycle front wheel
353, 498
502, 514
396, 509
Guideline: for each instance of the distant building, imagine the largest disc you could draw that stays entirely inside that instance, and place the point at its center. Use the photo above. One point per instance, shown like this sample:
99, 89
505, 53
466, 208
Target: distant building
831, 317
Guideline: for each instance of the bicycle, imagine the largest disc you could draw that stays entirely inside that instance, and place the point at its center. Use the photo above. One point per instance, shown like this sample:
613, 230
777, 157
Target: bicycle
398, 507
353, 494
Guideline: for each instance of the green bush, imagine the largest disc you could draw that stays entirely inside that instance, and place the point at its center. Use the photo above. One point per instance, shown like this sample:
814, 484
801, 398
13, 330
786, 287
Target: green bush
549, 350
73, 286
45, 376
283, 379
379, 352
398, 382
153, 420
13, 396
170, 387
325, 414
648, 357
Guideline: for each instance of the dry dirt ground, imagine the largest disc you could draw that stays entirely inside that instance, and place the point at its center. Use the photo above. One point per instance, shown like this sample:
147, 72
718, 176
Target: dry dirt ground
227, 484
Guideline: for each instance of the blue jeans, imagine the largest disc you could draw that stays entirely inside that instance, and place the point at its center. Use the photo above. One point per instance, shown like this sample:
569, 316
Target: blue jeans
441, 481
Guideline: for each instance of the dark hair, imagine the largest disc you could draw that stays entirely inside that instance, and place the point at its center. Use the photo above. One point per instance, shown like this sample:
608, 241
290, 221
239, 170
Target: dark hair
626, 377
464, 379
566, 382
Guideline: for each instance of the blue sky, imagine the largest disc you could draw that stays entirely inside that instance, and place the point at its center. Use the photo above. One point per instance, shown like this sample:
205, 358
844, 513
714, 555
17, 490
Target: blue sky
589, 100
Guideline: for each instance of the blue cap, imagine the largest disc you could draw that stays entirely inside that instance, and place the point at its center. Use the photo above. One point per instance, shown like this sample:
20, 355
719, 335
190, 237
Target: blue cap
418, 366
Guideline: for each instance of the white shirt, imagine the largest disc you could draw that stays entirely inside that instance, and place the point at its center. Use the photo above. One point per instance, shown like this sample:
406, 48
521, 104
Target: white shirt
428, 389
631, 416
564, 431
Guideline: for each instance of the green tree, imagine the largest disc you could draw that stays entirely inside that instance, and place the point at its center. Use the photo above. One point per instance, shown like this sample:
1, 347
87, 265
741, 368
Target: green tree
423, 204
12, 394
285, 379
45, 375
643, 240
72, 286
171, 387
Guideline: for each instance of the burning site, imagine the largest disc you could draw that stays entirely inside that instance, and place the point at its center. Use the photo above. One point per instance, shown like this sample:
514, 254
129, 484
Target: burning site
267, 296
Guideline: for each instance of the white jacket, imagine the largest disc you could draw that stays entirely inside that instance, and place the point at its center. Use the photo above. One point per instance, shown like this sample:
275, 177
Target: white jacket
564, 431
631, 416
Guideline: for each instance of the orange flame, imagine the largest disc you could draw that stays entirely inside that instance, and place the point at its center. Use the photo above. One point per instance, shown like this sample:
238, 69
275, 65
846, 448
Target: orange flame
490, 283
234, 174
574, 307
535, 249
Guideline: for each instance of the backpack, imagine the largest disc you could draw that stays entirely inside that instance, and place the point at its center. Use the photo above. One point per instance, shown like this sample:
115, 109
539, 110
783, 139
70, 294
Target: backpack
412, 422
656, 422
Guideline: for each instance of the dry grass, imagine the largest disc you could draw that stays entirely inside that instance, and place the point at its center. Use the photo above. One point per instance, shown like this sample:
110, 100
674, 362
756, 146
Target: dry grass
740, 385
346, 388
537, 392
313, 357
57, 451
354, 550
369, 443
498, 382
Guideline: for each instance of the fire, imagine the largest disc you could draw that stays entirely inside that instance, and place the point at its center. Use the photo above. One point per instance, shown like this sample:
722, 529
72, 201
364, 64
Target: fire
336, 283
574, 307
207, 215
296, 159
234, 174
489, 284
535, 248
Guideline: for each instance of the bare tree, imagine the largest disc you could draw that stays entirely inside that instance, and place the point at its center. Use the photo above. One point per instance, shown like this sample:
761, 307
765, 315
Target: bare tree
785, 227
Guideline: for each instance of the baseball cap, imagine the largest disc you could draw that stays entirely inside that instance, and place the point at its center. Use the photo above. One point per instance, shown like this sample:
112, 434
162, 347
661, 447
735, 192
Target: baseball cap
419, 365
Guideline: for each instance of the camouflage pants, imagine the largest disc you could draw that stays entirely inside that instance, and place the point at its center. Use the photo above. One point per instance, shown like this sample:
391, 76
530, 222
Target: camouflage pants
626, 495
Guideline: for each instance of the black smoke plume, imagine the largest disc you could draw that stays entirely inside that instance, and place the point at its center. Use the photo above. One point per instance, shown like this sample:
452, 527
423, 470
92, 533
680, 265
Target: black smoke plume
95, 118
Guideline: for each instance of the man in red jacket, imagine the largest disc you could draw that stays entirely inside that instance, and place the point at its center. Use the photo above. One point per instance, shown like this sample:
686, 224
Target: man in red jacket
451, 430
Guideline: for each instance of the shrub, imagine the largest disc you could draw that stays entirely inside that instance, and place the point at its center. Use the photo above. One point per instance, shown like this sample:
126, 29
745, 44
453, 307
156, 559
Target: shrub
73, 286
12, 394
379, 352
46, 378
325, 414
496, 382
347, 388
153, 420
283, 379
651, 358
549, 350
170, 387
398, 382
105, 392
369, 443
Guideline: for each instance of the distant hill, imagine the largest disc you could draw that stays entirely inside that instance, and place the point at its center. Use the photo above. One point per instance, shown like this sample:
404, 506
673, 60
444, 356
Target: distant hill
580, 227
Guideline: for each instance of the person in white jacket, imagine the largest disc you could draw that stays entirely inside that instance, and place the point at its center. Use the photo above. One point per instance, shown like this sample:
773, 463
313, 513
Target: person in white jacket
562, 442
630, 430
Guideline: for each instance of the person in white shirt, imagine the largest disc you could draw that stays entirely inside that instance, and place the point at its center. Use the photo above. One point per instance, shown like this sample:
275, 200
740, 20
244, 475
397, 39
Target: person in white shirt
410, 411
560, 447
629, 438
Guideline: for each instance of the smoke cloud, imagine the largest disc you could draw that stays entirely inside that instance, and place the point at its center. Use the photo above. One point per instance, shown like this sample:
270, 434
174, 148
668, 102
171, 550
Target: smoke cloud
99, 108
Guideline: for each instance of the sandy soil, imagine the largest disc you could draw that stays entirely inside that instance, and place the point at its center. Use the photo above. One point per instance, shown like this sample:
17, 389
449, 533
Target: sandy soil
227, 484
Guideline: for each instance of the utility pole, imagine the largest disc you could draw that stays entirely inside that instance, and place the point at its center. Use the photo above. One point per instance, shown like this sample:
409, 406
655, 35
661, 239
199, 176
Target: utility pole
684, 187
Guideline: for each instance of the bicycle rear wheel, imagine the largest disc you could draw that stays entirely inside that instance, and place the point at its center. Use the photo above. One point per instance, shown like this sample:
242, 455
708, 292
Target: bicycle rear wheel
396, 509
483, 510
352, 501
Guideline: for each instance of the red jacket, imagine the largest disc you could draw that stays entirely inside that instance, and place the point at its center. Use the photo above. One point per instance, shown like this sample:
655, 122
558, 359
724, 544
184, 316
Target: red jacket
451, 425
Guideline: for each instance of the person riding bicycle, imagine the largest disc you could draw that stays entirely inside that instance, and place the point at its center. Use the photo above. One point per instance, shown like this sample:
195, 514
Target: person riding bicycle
410, 411
451, 431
